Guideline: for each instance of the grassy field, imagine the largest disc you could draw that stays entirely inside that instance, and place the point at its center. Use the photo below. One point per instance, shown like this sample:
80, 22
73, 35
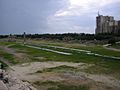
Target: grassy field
7, 56
96, 65
117, 46
92, 47
61, 86
102, 65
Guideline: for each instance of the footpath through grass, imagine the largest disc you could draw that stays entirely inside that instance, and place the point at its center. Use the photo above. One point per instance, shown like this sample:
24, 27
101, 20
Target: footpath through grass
103, 65
117, 46
75, 57
94, 48
5, 55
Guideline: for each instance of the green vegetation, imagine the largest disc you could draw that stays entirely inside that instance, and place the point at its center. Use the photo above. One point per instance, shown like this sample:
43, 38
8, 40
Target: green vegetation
6, 43
117, 46
46, 82
4, 65
94, 48
7, 56
50, 56
62, 68
70, 87
99, 49
69, 37
61, 86
102, 65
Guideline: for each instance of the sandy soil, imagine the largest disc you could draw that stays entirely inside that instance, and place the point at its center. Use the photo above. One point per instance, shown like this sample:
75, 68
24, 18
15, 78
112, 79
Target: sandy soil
3, 86
28, 71
24, 70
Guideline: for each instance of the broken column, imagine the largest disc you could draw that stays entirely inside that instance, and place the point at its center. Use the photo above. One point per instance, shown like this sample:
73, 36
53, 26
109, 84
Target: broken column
24, 36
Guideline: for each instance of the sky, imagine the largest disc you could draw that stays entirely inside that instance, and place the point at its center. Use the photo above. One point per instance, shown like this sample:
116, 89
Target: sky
54, 16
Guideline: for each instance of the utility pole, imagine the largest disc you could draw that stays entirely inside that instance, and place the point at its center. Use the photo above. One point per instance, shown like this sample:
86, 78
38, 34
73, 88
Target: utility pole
10, 37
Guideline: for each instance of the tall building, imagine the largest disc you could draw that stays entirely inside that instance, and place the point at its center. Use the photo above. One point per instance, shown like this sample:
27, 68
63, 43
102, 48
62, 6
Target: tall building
107, 24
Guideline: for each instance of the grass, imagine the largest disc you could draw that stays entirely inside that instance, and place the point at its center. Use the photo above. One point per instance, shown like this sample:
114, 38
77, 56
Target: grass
50, 56
71, 51
62, 68
77, 57
61, 86
94, 48
7, 56
6, 43
69, 87
111, 68
117, 46
46, 82
59, 68
4, 65
104, 65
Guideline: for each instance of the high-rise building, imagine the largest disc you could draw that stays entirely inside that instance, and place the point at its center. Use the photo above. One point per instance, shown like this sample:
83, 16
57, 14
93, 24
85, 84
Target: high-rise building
107, 24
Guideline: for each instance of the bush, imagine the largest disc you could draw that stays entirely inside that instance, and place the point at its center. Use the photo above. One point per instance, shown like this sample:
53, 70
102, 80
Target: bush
112, 41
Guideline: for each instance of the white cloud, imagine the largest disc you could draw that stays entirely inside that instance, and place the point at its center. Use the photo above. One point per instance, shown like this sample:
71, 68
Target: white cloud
77, 16
80, 7
62, 13
88, 3
60, 25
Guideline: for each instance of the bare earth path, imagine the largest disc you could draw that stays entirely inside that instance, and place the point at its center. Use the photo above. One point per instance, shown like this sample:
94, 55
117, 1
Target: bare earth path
28, 71
114, 49
110, 48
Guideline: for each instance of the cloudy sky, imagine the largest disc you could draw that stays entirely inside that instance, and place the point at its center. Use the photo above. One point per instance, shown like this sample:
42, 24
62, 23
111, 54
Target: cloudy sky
54, 16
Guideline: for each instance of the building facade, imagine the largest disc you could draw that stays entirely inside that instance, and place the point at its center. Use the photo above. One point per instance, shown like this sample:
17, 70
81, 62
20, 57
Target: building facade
107, 24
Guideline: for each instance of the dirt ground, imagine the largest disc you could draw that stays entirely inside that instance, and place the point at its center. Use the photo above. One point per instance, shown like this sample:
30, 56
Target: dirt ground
27, 72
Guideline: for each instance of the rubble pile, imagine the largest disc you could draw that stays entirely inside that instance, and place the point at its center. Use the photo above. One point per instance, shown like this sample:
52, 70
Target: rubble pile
10, 82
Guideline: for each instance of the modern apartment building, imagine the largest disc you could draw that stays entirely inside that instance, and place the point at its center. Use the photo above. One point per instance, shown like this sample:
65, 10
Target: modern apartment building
107, 24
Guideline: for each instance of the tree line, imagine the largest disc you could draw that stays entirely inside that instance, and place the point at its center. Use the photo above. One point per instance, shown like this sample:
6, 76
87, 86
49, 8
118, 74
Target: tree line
67, 36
